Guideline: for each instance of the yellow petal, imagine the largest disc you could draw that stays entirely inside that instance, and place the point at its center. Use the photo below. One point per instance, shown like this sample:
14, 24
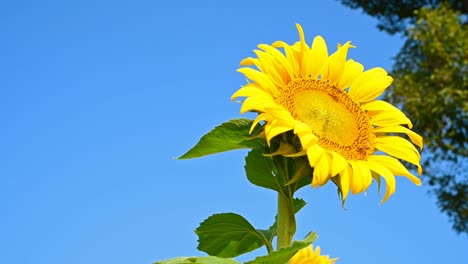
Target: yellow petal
263, 80
361, 177
260, 117
251, 90
314, 153
369, 85
296, 47
306, 62
389, 118
271, 67
291, 57
301, 128
253, 104
281, 60
275, 128
321, 171
383, 171
399, 148
380, 106
395, 167
339, 163
281, 114
248, 61
308, 140
305, 134
351, 71
252, 62
308, 255
336, 64
318, 56
415, 138
345, 178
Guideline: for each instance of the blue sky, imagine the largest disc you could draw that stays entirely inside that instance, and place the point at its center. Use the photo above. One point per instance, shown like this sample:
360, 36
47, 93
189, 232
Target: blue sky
98, 97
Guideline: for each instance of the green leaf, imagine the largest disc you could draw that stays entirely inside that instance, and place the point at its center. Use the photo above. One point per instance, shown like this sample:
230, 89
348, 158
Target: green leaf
283, 255
228, 235
302, 173
260, 170
230, 135
270, 233
298, 204
199, 260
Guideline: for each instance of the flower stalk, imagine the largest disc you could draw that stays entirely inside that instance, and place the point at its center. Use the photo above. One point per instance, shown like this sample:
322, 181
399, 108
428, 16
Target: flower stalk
286, 215
286, 220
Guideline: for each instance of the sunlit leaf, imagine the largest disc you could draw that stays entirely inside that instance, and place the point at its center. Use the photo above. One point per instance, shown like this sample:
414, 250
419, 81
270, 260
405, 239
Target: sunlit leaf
230, 135
228, 235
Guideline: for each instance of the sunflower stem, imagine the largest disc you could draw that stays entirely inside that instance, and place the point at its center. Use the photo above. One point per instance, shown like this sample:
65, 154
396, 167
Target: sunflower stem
286, 217
286, 220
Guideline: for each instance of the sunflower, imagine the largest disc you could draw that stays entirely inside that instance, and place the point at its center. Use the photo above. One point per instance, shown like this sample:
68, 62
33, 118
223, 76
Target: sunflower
331, 104
310, 256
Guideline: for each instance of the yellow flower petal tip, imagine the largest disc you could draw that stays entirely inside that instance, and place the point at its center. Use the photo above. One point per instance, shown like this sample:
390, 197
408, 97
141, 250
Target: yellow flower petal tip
308, 255
330, 103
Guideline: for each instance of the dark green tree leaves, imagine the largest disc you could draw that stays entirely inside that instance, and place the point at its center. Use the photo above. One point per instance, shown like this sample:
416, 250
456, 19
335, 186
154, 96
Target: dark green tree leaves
230, 135
431, 80
431, 83
394, 15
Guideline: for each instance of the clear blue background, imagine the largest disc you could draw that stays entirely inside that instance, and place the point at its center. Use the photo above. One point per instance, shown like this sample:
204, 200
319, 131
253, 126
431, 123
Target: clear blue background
98, 97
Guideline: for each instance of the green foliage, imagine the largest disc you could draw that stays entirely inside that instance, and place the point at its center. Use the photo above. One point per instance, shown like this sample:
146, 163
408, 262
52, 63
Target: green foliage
394, 15
431, 80
262, 171
230, 135
198, 260
431, 84
271, 232
228, 235
283, 255
452, 197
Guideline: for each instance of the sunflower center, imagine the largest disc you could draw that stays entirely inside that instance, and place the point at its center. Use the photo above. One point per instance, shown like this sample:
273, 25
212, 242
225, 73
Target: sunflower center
338, 121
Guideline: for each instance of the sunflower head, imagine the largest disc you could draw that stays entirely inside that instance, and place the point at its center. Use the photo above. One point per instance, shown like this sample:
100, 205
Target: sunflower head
331, 104
310, 256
